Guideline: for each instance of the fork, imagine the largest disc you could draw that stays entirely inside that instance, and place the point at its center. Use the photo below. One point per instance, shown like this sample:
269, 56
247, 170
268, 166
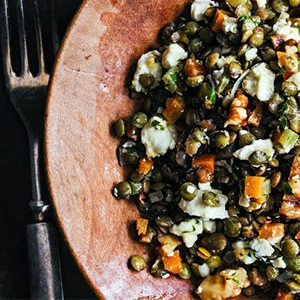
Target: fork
27, 89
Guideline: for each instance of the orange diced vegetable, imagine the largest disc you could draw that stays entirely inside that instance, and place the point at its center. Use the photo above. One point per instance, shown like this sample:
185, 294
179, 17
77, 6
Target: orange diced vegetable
141, 226
173, 263
174, 110
254, 187
194, 68
145, 166
291, 210
256, 116
297, 236
294, 181
281, 295
271, 230
240, 101
206, 161
287, 74
203, 175
220, 16
281, 58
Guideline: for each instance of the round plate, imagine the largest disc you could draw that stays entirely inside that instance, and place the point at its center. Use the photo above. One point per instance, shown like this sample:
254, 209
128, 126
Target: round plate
87, 94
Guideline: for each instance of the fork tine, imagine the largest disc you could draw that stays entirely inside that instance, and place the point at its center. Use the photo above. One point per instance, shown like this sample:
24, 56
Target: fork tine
5, 38
22, 37
38, 30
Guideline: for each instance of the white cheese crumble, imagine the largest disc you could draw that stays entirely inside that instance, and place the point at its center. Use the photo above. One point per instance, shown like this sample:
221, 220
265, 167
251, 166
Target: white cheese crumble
198, 208
222, 61
275, 240
158, 136
199, 7
295, 78
248, 257
203, 270
148, 64
188, 230
285, 29
262, 247
209, 226
172, 55
230, 25
279, 263
251, 54
265, 146
260, 82
240, 245
261, 3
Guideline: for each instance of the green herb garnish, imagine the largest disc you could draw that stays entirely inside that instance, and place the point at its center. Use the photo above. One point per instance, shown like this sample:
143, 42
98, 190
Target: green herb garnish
283, 122
212, 97
287, 188
236, 280
280, 72
156, 124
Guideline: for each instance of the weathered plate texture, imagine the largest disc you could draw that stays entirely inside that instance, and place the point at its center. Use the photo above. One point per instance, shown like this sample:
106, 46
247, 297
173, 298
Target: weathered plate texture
88, 92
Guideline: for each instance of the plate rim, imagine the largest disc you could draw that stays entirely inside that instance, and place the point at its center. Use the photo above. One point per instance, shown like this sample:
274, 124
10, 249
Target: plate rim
53, 77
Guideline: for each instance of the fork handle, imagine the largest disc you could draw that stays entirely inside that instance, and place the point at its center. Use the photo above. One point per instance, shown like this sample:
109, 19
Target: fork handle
44, 262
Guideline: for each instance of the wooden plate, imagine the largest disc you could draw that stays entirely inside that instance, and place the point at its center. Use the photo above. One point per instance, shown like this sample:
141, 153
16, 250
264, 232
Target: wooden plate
87, 94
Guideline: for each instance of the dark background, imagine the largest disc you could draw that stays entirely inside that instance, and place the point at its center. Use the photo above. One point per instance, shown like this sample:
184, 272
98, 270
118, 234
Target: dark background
15, 194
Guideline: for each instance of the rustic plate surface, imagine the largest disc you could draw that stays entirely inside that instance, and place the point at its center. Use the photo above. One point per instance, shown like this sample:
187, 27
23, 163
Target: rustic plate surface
88, 92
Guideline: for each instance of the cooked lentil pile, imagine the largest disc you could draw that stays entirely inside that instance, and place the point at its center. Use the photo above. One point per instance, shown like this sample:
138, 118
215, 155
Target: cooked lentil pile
214, 151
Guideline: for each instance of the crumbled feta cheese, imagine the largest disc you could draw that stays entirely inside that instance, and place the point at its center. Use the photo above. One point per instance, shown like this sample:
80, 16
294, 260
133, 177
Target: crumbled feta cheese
295, 78
222, 61
147, 64
279, 263
248, 257
209, 226
240, 245
199, 7
261, 3
172, 55
285, 29
290, 50
197, 207
274, 240
203, 270
188, 230
158, 136
230, 25
265, 146
262, 247
251, 54
260, 82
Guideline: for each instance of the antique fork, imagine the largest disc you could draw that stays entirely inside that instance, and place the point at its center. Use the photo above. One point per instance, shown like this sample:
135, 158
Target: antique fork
22, 28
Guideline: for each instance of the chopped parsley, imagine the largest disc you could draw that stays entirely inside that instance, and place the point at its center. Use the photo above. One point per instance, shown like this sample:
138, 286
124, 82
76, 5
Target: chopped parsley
212, 98
156, 124
299, 30
287, 188
236, 280
174, 77
280, 72
243, 18
283, 122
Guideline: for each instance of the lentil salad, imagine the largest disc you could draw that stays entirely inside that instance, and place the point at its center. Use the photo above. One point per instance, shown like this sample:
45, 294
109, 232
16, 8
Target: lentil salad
215, 151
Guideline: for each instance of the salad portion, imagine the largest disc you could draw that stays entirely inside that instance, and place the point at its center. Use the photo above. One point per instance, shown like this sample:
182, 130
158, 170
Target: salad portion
214, 152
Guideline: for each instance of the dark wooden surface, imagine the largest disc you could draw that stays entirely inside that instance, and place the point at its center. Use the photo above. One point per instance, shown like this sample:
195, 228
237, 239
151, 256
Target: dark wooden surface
14, 197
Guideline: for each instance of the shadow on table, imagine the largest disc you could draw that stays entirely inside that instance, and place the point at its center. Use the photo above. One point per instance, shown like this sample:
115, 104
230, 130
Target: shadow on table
14, 198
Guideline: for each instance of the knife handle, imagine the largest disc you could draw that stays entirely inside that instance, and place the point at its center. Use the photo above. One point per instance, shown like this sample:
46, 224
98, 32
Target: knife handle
44, 262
